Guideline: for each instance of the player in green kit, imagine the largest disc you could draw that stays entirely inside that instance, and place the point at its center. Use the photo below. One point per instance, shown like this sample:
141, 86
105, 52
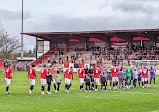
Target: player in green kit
128, 76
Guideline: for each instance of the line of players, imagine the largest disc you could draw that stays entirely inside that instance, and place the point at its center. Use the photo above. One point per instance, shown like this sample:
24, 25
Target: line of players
128, 74
47, 76
90, 77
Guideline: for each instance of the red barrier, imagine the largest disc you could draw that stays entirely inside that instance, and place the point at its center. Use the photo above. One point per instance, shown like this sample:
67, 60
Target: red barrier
81, 64
66, 65
1, 64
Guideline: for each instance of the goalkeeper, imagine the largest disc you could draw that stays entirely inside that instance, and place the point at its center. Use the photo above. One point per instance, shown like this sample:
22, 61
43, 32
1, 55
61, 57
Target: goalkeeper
109, 75
128, 76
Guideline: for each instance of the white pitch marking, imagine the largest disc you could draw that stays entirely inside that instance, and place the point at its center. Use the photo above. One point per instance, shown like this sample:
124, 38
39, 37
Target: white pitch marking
155, 111
133, 92
16, 85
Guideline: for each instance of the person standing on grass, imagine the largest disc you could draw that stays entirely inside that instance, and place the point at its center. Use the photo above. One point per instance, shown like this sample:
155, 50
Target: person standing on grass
128, 76
114, 72
131, 81
43, 73
139, 75
147, 76
101, 70
58, 81
67, 75
101, 73
143, 75
109, 75
50, 79
87, 83
135, 76
103, 82
124, 70
53, 80
91, 76
31, 78
152, 75
86, 70
96, 74
121, 78
81, 75
8, 73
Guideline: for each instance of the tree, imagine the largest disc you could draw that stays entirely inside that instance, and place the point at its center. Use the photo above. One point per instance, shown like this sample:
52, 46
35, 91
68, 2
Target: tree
34, 50
30, 52
8, 44
2, 32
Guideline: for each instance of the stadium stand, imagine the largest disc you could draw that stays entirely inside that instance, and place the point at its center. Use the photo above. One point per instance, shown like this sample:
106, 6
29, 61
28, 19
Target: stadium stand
98, 47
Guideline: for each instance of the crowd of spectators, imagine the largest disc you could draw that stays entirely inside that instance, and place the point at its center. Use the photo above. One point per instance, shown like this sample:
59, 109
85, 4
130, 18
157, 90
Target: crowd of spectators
99, 54
20, 66
139, 47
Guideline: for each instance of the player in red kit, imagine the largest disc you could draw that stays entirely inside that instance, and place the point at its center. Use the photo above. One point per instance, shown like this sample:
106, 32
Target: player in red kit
43, 73
114, 72
67, 75
96, 74
143, 77
81, 75
31, 78
8, 73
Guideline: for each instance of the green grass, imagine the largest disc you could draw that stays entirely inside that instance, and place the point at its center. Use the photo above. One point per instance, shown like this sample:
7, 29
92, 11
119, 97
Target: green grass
133, 100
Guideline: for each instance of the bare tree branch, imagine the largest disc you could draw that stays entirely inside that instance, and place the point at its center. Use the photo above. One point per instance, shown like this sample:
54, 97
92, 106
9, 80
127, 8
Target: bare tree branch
8, 44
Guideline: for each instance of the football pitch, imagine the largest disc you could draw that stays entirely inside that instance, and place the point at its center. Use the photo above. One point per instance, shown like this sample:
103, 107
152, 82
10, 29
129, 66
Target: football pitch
133, 100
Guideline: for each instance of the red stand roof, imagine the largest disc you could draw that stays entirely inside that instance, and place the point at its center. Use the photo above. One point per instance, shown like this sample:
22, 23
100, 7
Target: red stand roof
113, 35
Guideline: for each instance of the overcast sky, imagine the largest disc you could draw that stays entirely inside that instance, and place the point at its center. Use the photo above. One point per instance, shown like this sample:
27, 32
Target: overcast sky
77, 15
